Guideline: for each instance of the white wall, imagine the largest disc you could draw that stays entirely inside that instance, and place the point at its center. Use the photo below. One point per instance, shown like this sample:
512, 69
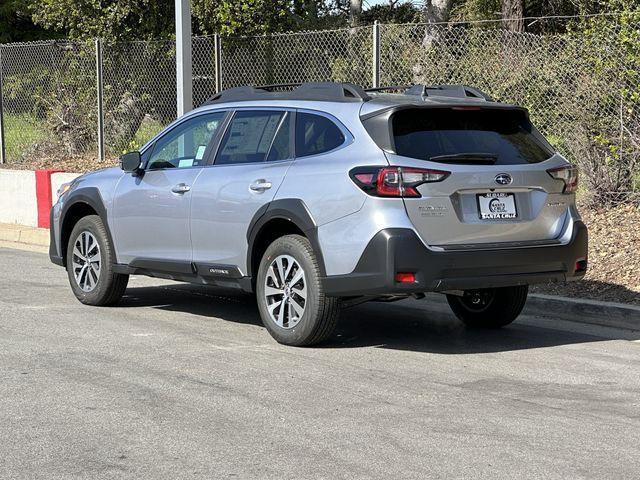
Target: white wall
57, 179
18, 202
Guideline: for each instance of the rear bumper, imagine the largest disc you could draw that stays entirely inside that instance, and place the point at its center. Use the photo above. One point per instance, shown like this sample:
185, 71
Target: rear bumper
400, 250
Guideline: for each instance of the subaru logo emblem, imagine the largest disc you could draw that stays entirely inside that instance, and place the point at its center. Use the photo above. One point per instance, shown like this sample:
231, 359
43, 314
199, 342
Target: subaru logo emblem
503, 179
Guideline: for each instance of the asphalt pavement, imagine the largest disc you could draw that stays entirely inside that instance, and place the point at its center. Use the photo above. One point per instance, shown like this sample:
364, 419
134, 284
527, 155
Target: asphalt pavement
182, 381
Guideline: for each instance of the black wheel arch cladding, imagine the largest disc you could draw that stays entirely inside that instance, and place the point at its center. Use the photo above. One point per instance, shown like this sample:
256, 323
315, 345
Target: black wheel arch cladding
291, 210
91, 197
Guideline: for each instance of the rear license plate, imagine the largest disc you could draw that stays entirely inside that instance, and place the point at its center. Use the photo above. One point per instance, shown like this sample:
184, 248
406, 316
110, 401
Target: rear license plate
497, 206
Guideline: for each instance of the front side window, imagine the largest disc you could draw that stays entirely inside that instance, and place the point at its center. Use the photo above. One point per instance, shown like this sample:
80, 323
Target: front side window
187, 144
256, 136
316, 134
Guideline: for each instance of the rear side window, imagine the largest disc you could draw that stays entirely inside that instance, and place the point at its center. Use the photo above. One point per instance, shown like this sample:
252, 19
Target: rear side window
256, 136
483, 136
316, 134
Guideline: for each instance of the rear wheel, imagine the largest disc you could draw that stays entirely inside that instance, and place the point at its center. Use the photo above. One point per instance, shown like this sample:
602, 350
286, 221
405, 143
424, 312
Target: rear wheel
90, 260
291, 300
489, 307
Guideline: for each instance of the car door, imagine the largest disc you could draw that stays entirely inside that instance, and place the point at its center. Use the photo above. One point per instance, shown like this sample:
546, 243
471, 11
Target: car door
151, 210
253, 158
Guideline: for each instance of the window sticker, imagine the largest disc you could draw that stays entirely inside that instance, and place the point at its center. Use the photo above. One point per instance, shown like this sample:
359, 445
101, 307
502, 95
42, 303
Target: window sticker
186, 162
200, 152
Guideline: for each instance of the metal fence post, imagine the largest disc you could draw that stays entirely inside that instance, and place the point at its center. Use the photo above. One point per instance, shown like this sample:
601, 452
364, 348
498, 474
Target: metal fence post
100, 94
217, 47
376, 55
2, 143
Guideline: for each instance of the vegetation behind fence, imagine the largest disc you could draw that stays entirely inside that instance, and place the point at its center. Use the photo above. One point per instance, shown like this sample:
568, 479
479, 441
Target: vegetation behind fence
582, 87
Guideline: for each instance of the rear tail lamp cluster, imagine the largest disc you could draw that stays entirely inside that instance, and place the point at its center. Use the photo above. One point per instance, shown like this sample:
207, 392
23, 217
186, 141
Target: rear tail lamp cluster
395, 181
569, 175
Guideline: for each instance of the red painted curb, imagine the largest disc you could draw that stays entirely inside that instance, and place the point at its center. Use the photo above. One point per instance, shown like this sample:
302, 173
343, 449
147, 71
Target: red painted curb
43, 195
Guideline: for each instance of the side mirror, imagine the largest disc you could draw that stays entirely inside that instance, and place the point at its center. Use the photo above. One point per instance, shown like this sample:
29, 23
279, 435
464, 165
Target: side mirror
131, 162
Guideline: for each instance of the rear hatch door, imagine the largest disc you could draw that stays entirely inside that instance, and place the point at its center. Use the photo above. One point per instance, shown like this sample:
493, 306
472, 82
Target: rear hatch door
498, 192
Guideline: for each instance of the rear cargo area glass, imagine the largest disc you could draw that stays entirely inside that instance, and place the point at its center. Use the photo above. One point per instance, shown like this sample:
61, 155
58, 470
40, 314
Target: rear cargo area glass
506, 135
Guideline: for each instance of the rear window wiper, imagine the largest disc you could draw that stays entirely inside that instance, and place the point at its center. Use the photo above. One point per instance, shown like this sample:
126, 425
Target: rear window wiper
466, 158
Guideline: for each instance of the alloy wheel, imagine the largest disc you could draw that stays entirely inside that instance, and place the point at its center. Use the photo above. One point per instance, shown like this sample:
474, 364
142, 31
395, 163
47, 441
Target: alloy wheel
86, 261
285, 291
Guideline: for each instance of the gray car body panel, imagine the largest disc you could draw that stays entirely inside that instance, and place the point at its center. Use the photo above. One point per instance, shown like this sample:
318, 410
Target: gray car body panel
210, 224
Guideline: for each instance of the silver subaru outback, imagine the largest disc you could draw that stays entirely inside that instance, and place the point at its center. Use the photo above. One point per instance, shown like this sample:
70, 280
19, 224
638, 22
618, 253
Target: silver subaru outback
328, 195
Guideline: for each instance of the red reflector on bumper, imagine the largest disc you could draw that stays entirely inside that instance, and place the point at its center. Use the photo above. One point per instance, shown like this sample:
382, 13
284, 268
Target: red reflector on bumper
405, 277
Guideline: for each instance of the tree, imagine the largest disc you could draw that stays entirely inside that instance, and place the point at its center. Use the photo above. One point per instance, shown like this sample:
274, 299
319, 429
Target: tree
16, 24
436, 11
392, 12
512, 13
108, 19
355, 11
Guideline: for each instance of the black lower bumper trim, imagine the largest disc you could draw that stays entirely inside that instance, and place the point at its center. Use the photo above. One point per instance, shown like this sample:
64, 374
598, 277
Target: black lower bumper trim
53, 248
400, 250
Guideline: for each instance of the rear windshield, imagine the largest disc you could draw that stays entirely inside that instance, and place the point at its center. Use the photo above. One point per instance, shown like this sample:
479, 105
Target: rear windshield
483, 136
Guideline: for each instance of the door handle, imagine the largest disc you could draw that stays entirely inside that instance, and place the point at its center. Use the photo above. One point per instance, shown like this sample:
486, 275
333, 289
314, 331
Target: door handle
181, 188
260, 185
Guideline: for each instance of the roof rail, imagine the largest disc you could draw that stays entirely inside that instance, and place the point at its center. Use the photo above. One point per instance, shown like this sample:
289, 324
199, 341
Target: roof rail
456, 91
322, 91
388, 87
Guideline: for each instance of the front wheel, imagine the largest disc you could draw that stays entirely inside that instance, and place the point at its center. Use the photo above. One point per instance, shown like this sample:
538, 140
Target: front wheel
90, 260
292, 303
489, 307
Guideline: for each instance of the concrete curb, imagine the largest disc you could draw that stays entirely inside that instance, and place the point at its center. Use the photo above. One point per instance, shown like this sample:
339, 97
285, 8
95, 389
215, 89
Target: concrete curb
594, 312
22, 234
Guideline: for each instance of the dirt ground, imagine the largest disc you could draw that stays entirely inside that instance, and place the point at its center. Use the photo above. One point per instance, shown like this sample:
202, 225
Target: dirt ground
614, 243
614, 257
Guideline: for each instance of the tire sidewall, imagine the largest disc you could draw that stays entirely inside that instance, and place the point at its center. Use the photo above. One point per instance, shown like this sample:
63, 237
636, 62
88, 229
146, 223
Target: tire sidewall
91, 224
308, 323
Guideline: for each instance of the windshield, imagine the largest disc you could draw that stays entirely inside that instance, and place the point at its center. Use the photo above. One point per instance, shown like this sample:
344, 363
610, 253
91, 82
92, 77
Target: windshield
468, 135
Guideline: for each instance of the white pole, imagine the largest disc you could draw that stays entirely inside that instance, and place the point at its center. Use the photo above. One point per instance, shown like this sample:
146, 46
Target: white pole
100, 95
184, 81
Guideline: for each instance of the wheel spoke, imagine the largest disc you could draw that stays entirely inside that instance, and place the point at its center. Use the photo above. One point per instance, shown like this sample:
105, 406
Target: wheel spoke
76, 251
89, 279
273, 306
301, 292
297, 277
86, 243
290, 263
271, 291
79, 275
291, 314
280, 268
297, 307
271, 274
283, 307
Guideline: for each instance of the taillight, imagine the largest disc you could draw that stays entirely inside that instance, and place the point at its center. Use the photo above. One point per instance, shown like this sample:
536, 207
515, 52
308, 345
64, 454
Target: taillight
568, 174
395, 181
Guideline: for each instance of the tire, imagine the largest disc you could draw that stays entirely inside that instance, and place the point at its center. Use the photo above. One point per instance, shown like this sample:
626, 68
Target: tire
317, 319
489, 308
99, 285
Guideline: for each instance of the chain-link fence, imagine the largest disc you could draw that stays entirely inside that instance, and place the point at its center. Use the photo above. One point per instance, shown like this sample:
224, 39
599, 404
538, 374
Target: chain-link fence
48, 98
581, 86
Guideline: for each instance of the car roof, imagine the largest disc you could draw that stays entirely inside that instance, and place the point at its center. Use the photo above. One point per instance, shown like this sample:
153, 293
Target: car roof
337, 97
